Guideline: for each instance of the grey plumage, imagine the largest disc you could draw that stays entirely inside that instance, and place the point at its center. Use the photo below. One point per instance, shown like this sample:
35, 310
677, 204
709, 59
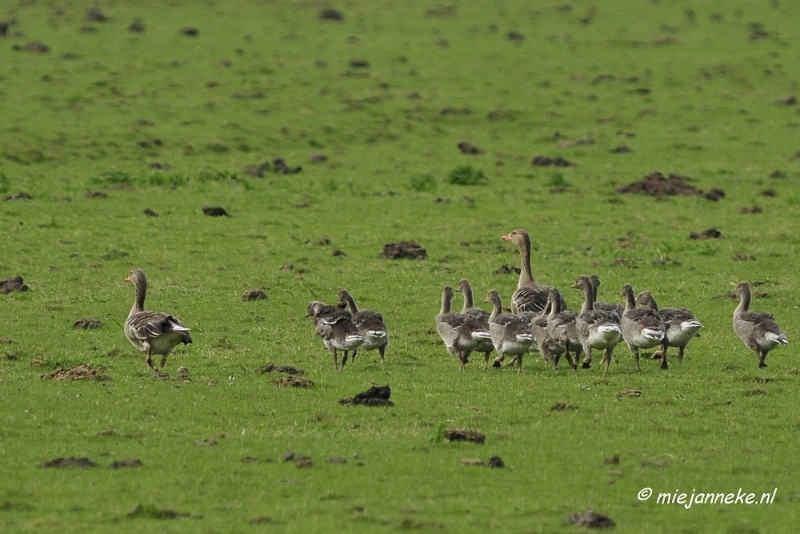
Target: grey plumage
529, 296
681, 323
561, 324
758, 331
336, 328
642, 328
484, 346
511, 334
597, 329
461, 333
370, 325
599, 304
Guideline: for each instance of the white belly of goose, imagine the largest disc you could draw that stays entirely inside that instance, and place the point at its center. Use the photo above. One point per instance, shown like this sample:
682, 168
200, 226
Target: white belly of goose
518, 346
678, 336
374, 339
351, 342
605, 336
648, 338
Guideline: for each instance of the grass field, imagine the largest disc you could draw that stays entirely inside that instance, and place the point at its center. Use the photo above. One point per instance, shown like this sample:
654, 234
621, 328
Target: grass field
108, 122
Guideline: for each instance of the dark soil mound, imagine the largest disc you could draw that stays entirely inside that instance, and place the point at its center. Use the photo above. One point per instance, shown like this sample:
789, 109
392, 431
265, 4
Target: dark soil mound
708, 233
591, 519
253, 294
464, 435
150, 213
81, 372
86, 324
404, 249
659, 186
70, 462
374, 396
496, 461
215, 211
135, 462
469, 148
330, 14
288, 369
545, 161
14, 283
293, 381
507, 269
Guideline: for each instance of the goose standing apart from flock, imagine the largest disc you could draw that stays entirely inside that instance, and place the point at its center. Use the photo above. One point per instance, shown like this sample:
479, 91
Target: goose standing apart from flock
370, 325
511, 334
149, 331
758, 331
681, 323
561, 326
484, 345
642, 328
336, 328
597, 329
529, 296
461, 333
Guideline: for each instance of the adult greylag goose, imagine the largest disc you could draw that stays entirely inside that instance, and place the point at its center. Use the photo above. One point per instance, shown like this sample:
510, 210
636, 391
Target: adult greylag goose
149, 331
681, 323
529, 296
511, 334
460, 333
758, 331
597, 329
370, 325
642, 328
599, 304
484, 346
562, 327
336, 328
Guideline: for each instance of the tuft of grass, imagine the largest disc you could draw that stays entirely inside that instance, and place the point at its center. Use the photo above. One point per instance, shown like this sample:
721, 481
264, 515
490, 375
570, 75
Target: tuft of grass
422, 182
465, 175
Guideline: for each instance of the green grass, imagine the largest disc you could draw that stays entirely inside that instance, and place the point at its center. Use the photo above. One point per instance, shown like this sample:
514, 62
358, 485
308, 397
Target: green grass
169, 122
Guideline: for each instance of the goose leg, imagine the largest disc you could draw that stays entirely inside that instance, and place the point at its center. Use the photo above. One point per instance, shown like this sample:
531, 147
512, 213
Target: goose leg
680, 353
335, 360
486, 360
587, 360
664, 349
344, 359
635, 351
163, 362
519, 364
382, 351
761, 357
608, 354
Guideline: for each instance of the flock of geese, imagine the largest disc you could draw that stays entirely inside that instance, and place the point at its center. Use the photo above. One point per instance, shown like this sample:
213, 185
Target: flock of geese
539, 322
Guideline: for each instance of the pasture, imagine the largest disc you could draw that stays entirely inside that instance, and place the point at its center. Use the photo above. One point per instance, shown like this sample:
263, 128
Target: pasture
108, 109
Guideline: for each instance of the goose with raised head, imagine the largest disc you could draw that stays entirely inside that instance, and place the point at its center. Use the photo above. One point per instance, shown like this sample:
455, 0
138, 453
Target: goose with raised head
562, 327
529, 296
681, 323
511, 334
599, 304
597, 329
460, 333
336, 328
642, 328
758, 331
149, 331
370, 325
484, 346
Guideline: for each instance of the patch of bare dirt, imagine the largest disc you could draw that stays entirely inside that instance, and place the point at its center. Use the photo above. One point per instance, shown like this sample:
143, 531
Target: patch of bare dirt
117, 464
136, 26
257, 171
15, 283
151, 512
95, 15
86, 324
751, 209
253, 294
37, 47
215, 211
336, 460
402, 250
183, 374
22, 195
659, 186
614, 460
743, 257
562, 406
629, 393
150, 213
330, 14
70, 462
469, 148
515, 37
317, 157
591, 519
545, 161
96, 194
472, 461
293, 381
708, 233
472, 436
374, 396
507, 269
336, 253
190, 31
496, 462
81, 372
288, 369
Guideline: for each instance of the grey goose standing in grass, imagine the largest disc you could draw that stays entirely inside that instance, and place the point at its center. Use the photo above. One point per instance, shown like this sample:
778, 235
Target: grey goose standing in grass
511, 334
597, 329
461, 333
149, 331
562, 327
370, 325
599, 304
681, 323
336, 328
642, 328
758, 331
529, 296
484, 346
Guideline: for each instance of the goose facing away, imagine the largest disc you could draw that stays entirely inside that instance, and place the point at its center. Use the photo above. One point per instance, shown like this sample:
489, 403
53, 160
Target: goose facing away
642, 328
529, 296
370, 325
511, 334
149, 331
336, 328
758, 331
562, 327
484, 346
597, 329
681, 323
460, 333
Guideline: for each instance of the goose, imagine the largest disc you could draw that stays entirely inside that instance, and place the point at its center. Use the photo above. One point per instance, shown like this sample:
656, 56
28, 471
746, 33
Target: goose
460, 333
149, 331
529, 296
681, 323
335, 326
484, 345
562, 328
642, 328
597, 329
600, 305
511, 334
370, 325
550, 349
758, 331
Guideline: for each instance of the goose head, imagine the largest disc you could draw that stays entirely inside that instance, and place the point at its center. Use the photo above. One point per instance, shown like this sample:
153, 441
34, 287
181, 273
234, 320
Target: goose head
519, 237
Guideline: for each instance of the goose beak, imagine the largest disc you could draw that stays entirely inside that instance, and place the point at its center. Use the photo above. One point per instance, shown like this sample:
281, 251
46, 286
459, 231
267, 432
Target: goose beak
506, 237
127, 279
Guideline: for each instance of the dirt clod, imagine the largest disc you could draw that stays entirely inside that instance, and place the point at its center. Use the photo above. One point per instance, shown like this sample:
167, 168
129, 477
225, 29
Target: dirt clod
215, 211
279, 166
621, 149
751, 209
507, 269
743, 257
336, 460
545, 161
317, 157
404, 249
150, 213
591, 519
465, 435
257, 171
253, 294
496, 462
86, 324
293, 381
374, 396
183, 374
330, 14
472, 461
614, 460
469, 148
70, 462
708, 233
629, 393
135, 462
151, 512
190, 31
15, 283
37, 47
22, 195
288, 369
136, 26
336, 253
81, 372
562, 406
